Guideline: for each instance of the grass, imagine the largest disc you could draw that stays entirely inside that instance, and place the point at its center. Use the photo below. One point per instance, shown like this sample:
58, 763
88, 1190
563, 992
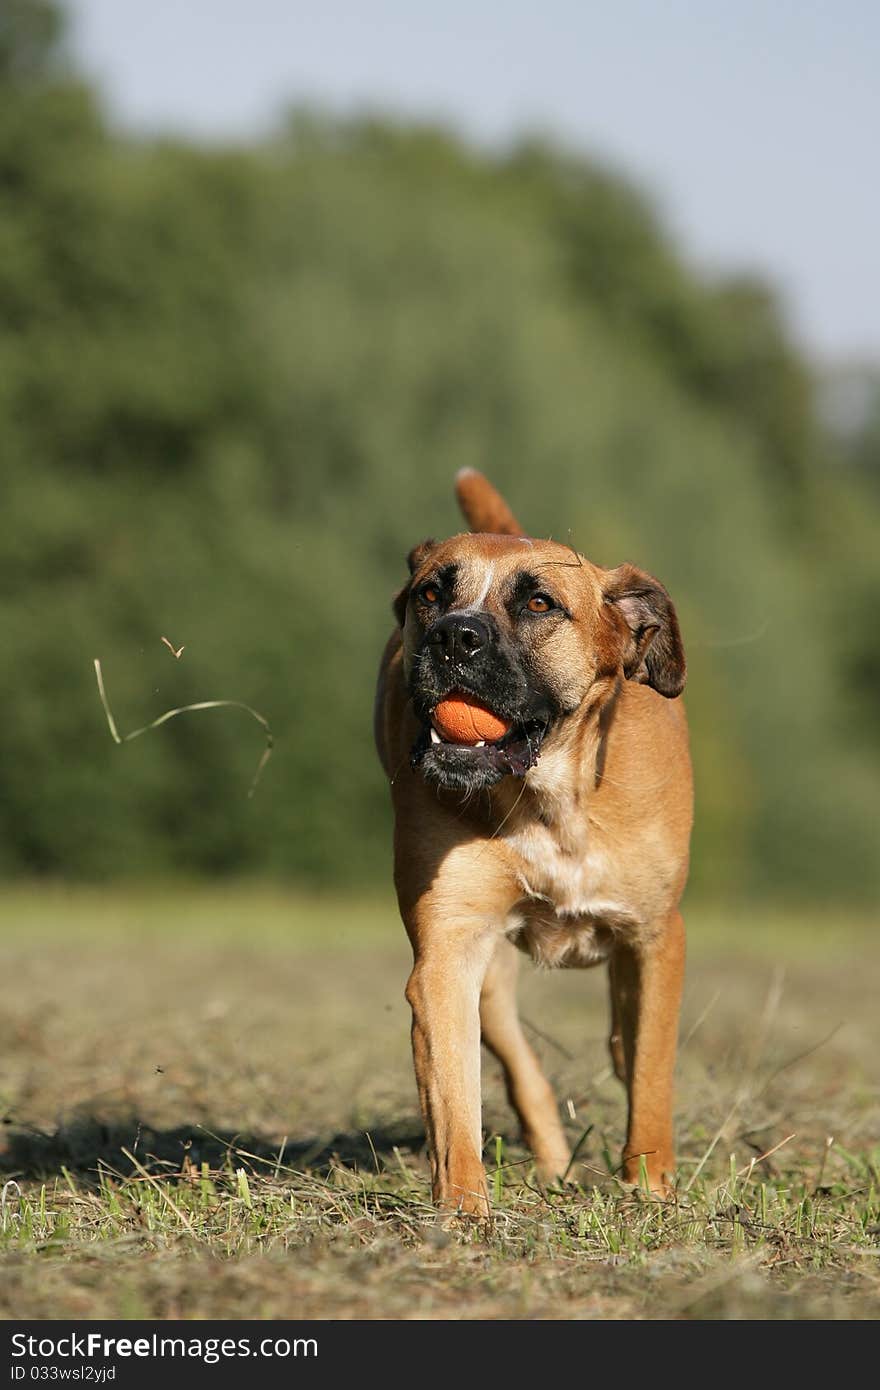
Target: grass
208, 1111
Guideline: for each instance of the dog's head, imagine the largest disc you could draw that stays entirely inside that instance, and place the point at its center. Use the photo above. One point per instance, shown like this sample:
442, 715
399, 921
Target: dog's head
532, 631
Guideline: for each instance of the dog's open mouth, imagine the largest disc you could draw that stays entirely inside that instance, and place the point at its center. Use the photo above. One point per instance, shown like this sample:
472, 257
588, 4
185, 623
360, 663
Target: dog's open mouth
448, 752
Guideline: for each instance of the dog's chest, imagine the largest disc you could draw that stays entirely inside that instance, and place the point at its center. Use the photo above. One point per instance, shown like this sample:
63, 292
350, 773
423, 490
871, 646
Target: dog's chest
572, 904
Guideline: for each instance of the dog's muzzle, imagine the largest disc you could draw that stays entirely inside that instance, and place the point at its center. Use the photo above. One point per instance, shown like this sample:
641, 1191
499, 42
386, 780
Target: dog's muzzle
460, 639
465, 654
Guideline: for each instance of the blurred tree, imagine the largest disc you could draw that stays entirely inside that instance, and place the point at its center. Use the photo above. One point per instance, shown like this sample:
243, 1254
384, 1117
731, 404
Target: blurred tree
30, 39
725, 343
234, 388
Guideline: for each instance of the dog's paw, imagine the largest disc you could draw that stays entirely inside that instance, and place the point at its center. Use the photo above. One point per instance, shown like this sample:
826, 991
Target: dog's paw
469, 1200
649, 1179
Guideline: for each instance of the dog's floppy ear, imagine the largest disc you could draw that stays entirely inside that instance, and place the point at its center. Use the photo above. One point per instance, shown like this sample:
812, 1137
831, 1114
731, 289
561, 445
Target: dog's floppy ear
414, 559
653, 653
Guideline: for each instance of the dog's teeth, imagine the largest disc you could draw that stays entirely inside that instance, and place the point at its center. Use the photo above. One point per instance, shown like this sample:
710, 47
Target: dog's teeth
481, 744
435, 737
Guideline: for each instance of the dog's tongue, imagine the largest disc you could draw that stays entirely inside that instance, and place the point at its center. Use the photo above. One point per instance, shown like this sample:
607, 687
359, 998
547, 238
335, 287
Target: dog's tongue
461, 719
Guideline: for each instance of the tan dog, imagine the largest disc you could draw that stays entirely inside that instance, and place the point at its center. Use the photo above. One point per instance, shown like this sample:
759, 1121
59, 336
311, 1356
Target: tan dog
566, 837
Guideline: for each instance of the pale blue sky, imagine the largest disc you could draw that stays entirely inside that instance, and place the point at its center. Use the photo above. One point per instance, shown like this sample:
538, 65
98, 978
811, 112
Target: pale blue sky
755, 123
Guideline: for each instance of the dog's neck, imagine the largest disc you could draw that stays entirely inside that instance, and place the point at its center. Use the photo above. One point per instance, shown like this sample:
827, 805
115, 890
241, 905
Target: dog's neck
558, 790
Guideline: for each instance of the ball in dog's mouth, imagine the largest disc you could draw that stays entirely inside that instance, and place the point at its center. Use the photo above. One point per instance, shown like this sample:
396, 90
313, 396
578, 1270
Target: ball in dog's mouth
465, 744
463, 720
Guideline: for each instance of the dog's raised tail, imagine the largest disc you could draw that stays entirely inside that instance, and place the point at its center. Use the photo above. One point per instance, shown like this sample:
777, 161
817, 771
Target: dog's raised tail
484, 509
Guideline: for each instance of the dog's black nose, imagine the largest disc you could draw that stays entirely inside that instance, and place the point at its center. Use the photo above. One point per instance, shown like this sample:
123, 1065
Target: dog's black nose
459, 637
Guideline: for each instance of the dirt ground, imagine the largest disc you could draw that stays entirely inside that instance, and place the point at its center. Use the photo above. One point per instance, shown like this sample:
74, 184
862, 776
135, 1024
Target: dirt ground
208, 1111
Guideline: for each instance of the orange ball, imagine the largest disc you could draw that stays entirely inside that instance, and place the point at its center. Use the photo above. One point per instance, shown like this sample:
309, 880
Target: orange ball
461, 720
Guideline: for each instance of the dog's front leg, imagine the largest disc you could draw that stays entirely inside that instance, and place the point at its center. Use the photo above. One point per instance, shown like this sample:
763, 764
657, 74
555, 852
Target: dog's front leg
646, 984
444, 993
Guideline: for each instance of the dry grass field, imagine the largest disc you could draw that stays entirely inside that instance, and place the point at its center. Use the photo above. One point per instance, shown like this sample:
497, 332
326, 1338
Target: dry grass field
208, 1111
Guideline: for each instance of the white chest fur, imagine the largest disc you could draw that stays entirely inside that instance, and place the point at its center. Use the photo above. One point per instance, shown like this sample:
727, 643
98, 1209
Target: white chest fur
572, 904
575, 878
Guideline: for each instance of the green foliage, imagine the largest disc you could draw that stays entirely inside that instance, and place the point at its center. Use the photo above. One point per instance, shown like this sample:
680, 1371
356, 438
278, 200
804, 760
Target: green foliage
29, 35
234, 388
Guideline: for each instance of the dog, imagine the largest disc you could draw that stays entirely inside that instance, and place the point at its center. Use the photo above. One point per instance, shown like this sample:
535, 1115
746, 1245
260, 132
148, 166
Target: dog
566, 838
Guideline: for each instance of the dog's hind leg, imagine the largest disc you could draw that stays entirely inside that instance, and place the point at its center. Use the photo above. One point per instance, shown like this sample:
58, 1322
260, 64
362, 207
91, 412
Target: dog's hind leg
527, 1087
615, 1037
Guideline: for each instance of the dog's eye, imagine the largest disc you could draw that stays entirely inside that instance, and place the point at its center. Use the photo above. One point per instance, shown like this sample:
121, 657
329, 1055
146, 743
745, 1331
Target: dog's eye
430, 593
540, 603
